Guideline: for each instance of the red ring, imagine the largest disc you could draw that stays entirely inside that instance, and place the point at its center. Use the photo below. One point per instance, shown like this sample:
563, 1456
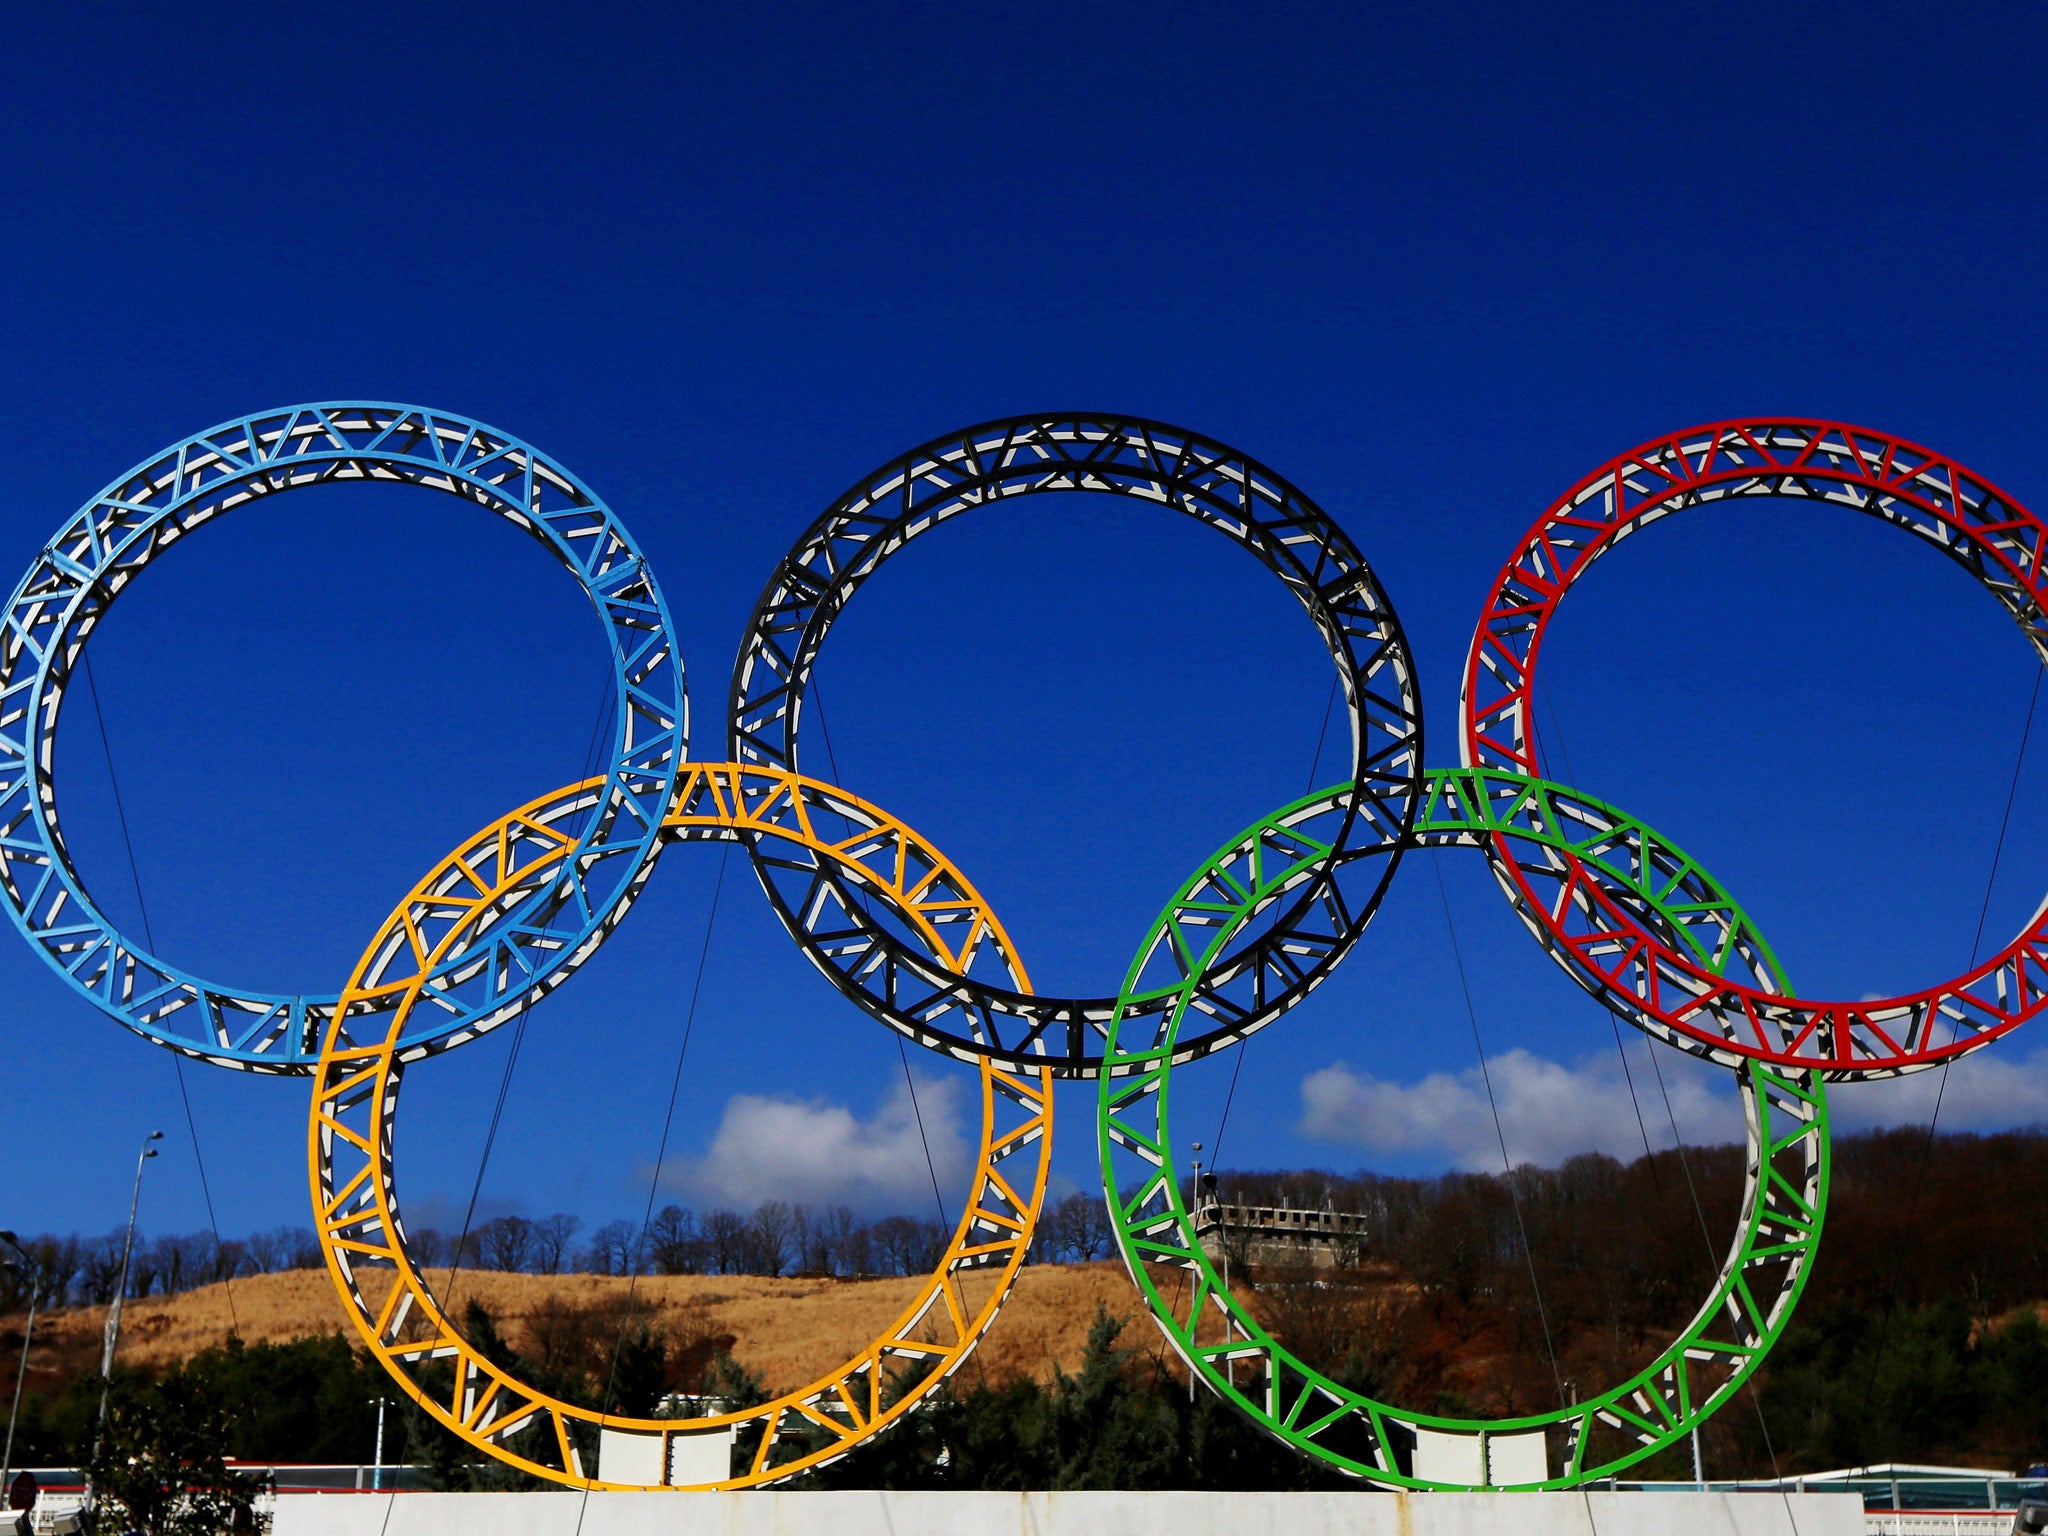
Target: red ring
1661, 988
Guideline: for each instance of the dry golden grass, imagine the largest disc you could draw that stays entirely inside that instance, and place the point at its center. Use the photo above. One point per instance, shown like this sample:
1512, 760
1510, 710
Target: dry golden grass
788, 1330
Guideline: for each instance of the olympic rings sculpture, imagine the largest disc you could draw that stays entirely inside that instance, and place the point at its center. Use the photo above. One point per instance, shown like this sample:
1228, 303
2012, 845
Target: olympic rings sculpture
1296, 944
1752, 1299
1967, 518
239, 464
903, 934
354, 1156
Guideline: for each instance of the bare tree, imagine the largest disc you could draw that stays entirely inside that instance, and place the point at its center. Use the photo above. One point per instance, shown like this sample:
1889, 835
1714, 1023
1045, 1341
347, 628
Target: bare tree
907, 1246
725, 1243
100, 1270
612, 1248
674, 1246
1079, 1228
230, 1258
58, 1261
182, 1260
551, 1238
505, 1243
770, 1230
302, 1249
806, 1241
266, 1251
846, 1242
145, 1265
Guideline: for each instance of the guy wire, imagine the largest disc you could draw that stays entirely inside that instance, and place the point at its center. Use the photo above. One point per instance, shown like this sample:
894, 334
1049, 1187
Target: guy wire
1507, 1163
1941, 1088
1649, 1155
902, 1054
221, 1263
1315, 767
455, 1258
675, 1089
1628, 1076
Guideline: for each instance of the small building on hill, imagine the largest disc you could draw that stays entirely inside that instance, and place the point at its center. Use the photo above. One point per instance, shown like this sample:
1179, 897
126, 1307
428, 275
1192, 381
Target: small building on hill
1280, 1235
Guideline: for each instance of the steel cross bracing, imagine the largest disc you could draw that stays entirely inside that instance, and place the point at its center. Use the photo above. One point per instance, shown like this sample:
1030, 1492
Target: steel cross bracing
902, 933
1281, 955
352, 1147
116, 535
1221, 1337
1984, 530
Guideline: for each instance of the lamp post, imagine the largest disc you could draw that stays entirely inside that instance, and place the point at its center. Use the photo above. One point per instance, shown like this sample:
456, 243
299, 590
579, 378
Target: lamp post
1195, 1320
113, 1333
377, 1470
28, 1267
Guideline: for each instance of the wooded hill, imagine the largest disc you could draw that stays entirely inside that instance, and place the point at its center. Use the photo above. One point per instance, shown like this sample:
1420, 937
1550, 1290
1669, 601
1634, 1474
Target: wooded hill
1919, 1336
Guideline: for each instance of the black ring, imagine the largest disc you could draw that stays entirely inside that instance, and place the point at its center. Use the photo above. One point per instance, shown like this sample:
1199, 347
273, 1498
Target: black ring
1317, 921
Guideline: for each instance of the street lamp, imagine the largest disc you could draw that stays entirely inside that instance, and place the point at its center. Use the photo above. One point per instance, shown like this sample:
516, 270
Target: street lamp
377, 1471
1195, 1320
114, 1312
26, 1266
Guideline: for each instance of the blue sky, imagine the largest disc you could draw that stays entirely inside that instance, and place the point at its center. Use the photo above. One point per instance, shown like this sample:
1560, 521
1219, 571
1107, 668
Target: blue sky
1433, 265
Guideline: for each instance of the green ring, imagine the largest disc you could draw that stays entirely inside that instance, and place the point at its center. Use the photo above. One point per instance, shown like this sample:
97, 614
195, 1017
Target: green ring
1655, 1408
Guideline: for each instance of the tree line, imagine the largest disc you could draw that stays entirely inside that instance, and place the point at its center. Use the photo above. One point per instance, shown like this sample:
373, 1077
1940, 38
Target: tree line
1919, 1337
775, 1238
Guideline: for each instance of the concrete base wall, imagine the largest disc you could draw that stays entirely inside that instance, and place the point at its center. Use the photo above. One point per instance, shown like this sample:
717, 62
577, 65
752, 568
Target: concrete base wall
1070, 1514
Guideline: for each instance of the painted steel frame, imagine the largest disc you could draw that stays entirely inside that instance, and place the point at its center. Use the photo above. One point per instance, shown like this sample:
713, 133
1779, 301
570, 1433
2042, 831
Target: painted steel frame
899, 931
1784, 1202
1296, 944
76, 578
1661, 988
352, 1136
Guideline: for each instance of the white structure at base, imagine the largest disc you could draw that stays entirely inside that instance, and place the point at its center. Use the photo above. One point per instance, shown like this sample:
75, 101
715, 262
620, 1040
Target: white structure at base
1482, 1458
1071, 1514
630, 1456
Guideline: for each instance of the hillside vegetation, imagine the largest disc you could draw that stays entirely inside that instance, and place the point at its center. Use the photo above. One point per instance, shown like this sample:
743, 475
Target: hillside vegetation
783, 1329
1919, 1337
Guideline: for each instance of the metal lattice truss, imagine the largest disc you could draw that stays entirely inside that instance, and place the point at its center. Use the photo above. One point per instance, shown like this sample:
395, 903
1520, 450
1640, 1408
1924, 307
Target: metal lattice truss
902, 933
1224, 1342
1993, 537
1281, 956
1599, 890
352, 1152
104, 546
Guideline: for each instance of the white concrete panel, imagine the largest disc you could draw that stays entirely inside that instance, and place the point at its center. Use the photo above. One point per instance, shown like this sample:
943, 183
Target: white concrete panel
627, 1456
1070, 1514
1514, 1459
1448, 1458
704, 1457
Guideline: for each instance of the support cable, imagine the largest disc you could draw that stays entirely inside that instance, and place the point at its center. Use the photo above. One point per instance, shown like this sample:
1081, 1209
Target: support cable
455, 1258
1756, 1397
149, 937
1315, 767
902, 1054
1507, 1164
1628, 1076
1678, 1140
668, 1120
1941, 1088
414, 1420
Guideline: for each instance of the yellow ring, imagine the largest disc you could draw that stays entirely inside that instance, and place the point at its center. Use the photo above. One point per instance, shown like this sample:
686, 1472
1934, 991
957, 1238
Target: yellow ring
351, 1140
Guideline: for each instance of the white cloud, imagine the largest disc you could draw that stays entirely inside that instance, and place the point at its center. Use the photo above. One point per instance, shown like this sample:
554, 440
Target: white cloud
1993, 1089
1549, 1112
821, 1153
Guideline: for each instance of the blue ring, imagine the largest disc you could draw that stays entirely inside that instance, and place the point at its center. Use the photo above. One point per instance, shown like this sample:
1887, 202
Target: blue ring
529, 948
